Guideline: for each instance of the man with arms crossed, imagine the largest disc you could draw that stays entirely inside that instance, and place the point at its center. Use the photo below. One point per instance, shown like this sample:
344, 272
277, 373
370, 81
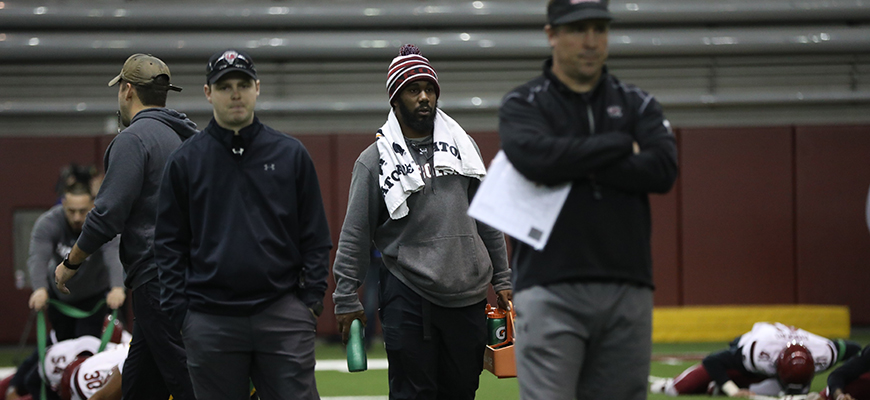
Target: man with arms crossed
584, 303
127, 204
242, 245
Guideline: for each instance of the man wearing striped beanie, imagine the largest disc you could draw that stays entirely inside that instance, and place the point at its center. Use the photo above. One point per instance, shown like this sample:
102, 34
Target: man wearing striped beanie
409, 67
409, 197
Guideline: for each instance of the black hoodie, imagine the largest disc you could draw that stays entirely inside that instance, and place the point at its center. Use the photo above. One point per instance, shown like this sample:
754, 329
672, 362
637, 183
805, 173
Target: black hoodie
127, 202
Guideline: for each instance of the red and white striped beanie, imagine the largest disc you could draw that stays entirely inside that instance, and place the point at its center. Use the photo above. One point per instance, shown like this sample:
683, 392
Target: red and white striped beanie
410, 66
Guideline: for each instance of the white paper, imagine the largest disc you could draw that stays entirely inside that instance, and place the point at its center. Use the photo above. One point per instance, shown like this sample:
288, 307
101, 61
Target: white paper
523, 209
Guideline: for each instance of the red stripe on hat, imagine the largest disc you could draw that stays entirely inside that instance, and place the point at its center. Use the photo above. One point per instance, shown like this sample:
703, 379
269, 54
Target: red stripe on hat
405, 65
406, 59
419, 68
411, 75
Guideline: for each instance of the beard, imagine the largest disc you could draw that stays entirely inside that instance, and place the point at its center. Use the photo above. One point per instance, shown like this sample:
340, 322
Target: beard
423, 125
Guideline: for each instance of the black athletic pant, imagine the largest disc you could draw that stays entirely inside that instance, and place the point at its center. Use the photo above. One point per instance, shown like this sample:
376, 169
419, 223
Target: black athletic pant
70, 328
156, 365
434, 352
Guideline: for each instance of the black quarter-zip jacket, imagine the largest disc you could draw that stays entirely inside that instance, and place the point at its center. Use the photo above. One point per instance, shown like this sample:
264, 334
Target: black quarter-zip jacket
553, 135
237, 229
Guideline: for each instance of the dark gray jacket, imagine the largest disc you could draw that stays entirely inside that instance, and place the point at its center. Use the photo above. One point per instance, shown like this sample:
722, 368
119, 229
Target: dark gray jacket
51, 240
127, 202
437, 250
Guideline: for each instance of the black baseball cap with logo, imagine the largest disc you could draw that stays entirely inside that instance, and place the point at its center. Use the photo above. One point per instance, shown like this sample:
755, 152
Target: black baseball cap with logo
224, 62
566, 11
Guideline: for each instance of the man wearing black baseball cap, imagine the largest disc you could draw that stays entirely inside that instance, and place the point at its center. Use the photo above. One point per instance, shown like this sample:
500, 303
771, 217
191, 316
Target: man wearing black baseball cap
242, 246
584, 303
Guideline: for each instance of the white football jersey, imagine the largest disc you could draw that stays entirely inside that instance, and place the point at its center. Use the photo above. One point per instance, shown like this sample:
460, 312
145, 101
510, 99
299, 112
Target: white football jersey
59, 355
126, 337
762, 345
93, 373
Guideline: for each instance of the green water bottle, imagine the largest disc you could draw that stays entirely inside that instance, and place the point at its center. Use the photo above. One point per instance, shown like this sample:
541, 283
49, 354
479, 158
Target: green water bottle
356, 348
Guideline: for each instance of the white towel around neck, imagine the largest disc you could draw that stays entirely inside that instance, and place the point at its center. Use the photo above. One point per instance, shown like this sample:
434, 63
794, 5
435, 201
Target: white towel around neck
400, 175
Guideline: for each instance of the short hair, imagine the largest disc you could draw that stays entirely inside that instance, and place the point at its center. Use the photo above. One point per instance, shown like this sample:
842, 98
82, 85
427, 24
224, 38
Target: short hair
78, 189
151, 94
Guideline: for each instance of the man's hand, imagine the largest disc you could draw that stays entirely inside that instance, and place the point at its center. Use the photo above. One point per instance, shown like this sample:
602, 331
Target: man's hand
344, 321
62, 275
745, 393
635, 148
116, 297
504, 298
38, 299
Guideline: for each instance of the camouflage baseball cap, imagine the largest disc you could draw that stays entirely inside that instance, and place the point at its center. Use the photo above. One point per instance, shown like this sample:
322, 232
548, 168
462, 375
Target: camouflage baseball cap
142, 69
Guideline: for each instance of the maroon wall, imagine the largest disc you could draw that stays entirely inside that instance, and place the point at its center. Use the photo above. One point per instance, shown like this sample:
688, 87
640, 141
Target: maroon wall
29, 168
832, 180
758, 215
737, 216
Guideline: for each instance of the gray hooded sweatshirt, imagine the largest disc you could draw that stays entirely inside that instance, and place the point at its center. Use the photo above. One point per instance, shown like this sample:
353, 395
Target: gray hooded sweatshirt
127, 202
51, 241
437, 250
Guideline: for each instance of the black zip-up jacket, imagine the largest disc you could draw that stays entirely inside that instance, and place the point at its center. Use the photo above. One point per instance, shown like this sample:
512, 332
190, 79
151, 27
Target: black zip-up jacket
553, 135
236, 232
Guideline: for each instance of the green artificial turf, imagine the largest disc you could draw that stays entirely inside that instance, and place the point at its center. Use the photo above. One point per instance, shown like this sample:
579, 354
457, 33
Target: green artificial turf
374, 382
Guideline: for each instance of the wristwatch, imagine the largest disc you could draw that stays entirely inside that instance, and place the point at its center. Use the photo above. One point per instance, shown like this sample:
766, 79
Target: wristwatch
70, 265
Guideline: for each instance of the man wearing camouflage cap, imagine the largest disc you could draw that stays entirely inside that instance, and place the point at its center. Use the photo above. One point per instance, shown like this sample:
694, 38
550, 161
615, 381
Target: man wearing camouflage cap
126, 204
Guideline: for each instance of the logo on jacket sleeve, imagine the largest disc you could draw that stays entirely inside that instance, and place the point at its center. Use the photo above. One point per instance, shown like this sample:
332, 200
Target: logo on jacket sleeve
614, 111
269, 167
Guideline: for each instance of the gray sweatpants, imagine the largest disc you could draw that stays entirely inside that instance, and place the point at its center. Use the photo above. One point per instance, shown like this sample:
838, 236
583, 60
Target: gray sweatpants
275, 348
583, 340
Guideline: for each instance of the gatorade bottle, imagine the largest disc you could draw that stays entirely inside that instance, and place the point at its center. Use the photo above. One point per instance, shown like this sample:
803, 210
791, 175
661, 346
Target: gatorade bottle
496, 324
356, 349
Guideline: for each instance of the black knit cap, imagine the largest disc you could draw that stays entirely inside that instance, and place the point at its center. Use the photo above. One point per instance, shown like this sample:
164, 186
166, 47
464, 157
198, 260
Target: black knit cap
566, 11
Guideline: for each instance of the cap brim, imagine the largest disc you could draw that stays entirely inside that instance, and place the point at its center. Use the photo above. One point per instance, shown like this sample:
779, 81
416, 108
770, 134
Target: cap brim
115, 80
582, 15
219, 75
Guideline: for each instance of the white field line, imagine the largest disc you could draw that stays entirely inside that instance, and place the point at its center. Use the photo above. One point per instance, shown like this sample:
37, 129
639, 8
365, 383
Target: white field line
355, 398
341, 365
322, 365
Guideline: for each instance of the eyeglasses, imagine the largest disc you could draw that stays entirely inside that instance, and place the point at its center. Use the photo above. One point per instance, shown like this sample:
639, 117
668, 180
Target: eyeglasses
230, 59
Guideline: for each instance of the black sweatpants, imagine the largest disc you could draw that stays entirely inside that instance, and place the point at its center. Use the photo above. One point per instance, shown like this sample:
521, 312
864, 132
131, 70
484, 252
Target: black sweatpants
156, 365
434, 352
66, 327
